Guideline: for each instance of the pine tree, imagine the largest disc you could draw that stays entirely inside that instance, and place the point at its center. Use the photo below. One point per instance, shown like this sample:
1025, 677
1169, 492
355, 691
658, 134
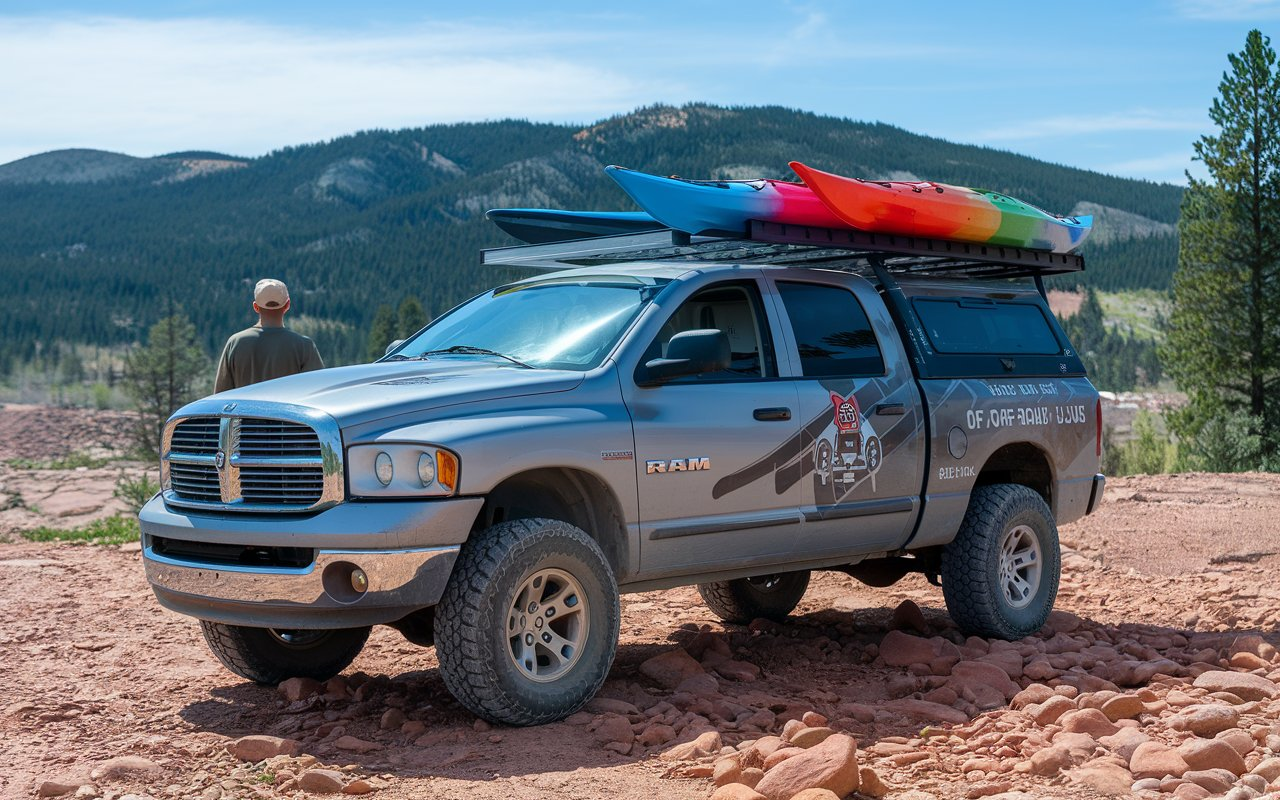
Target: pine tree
167, 372
1224, 332
382, 333
411, 317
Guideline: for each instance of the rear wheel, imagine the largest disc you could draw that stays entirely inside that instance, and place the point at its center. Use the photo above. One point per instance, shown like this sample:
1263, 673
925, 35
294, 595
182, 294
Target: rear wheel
768, 596
271, 655
1000, 574
528, 624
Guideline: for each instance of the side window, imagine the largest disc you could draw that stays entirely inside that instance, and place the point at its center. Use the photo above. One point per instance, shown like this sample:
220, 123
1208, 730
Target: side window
832, 331
734, 309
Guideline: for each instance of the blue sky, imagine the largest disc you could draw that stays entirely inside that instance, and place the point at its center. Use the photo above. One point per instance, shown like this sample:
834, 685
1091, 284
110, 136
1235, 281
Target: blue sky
1121, 87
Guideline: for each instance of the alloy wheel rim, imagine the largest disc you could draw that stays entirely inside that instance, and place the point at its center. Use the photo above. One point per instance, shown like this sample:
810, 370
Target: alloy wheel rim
547, 625
1020, 566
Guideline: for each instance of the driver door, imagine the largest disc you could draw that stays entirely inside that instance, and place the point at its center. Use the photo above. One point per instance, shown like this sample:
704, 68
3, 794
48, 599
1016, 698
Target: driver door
707, 489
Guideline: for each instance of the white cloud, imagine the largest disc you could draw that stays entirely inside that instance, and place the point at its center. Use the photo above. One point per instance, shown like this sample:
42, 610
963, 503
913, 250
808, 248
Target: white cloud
1084, 124
154, 86
1167, 166
1228, 10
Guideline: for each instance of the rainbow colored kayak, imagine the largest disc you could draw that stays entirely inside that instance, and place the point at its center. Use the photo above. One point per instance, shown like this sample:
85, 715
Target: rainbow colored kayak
942, 211
723, 207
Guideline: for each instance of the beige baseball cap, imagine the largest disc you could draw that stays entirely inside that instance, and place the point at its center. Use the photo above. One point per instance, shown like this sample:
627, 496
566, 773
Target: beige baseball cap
270, 293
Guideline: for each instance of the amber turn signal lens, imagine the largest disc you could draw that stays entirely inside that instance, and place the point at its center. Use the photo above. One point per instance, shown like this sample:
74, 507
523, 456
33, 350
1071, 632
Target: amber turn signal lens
447, 470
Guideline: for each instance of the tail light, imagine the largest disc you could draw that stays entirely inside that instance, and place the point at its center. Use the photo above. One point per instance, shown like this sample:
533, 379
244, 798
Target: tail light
1098, 450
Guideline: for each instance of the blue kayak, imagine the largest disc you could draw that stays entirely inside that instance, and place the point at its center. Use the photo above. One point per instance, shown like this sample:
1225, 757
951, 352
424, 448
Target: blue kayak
543, 225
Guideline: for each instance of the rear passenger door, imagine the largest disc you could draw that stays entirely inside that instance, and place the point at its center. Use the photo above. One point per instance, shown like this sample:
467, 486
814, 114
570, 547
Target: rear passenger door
861, 421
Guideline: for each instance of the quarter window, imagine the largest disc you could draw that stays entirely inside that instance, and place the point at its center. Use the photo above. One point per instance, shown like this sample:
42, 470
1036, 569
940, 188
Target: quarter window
973, 325
832, 331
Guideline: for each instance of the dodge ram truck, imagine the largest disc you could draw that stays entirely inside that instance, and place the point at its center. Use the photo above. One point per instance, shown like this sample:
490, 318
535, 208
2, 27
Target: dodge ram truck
653, 411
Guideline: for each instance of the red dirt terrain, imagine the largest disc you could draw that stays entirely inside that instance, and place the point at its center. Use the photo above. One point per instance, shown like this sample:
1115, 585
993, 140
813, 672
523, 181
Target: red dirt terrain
1158, 676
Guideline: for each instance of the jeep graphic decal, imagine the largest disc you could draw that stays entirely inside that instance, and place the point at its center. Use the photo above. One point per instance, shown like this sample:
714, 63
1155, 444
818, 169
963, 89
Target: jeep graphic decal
818, 443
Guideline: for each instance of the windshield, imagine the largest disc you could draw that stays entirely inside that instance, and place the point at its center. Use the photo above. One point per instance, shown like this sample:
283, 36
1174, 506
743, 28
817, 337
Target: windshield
558, 323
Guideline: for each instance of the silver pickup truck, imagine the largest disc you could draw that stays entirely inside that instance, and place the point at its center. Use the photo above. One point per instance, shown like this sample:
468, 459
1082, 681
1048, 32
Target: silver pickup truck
732, 415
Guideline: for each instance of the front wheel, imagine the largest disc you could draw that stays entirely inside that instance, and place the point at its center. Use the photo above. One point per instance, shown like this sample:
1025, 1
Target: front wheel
528, 624
270, 655
1000, 574
768, 596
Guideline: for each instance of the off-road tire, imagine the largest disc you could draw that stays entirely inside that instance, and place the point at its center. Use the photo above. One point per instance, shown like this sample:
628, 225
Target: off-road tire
742, 600
263, 657
472, 642
971, 577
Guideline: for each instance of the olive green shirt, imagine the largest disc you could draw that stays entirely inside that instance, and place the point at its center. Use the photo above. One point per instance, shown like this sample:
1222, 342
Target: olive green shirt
259, 354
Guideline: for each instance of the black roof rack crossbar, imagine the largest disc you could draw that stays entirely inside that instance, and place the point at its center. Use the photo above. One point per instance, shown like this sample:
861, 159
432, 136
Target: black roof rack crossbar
794, 245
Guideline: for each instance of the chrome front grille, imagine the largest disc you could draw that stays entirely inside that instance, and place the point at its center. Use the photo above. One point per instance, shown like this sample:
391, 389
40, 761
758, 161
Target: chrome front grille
251, 463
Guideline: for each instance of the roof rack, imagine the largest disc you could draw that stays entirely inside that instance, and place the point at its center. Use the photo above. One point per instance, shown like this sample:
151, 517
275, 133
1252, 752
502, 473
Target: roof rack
777, 244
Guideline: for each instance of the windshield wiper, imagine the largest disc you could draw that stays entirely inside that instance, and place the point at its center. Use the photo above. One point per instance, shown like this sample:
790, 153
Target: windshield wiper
467, 349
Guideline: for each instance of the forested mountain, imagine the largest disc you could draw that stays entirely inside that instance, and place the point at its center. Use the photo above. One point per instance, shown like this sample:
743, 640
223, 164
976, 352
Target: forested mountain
96, 246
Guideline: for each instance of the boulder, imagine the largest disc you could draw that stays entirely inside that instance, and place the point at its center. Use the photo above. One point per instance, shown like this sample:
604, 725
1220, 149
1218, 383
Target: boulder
1216, 781
923, 709
831, 765
1202, 754
899, 649
1123, 706
1088, 720
1048, 712
1155, 760
1244, 685
1205, 719
671, 668
321, 781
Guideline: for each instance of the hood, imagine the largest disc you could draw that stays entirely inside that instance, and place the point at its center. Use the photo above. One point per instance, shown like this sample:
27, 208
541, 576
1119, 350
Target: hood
367, 392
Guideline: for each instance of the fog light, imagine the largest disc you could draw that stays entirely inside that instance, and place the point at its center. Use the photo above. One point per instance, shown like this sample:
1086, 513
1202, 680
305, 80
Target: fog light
383, 468
359, 581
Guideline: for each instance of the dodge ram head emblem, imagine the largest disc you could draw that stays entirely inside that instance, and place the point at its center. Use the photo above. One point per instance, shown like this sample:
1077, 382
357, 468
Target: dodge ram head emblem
220, 460
695, 464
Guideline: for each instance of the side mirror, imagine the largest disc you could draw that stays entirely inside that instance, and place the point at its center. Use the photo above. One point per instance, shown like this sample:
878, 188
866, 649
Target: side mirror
393, 346
688, 353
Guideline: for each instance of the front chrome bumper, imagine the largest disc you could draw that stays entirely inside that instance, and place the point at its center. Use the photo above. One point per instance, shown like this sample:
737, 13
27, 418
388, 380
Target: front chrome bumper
406, 550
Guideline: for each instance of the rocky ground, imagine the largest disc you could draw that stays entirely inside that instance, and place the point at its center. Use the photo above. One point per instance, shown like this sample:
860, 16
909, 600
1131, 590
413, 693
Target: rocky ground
1157, 677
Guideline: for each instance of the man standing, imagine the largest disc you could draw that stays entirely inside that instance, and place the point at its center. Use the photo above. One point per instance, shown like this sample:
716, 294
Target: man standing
269, 349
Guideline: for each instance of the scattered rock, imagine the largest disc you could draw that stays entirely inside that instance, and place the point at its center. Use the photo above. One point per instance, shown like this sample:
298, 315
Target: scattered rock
736, 791
295, 689
60, 786
908, 615
923, 709
1112, 780
1123, 706
358, 786
831, 765
321, 781
125, 767
260, 748
808, 737
355, 745
899, 649
870, 784
1088, 720
706, 744
392, 719
671, 668
615, 729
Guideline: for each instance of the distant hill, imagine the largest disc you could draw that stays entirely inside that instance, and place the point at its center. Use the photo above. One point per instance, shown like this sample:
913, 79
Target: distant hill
94, 246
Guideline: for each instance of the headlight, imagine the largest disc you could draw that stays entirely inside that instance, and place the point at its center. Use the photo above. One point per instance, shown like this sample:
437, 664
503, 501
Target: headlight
401, 470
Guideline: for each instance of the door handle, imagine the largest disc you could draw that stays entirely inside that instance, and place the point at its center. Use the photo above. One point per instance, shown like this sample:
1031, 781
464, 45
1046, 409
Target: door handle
891, 410
772, 414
